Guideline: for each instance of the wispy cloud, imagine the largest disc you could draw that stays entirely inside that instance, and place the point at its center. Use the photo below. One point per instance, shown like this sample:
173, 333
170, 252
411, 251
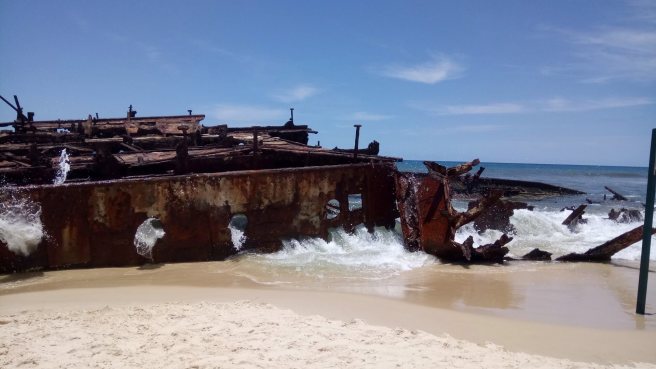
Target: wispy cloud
643, 10
251, 114
561, 105
555, 104
493, 108
212, 48
447, 128
479, 128
144, 51
155, 56
363, 116
296, 93
613, 52
434, 71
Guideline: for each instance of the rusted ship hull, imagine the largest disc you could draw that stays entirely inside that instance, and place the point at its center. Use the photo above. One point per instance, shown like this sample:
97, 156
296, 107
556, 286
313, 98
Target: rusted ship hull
94, 224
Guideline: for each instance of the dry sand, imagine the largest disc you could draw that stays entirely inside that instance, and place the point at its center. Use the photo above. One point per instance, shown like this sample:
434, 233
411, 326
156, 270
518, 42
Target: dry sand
237, 334
131, 318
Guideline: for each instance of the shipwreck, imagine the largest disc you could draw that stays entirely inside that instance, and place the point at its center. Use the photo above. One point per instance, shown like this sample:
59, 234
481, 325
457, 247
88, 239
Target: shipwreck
195, 183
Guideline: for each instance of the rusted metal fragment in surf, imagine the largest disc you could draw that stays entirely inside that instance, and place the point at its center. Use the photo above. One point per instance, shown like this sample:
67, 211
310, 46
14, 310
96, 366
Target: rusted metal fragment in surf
427, 217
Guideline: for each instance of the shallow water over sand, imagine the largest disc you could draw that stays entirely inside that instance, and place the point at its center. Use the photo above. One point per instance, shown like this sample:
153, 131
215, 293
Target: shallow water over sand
587, 295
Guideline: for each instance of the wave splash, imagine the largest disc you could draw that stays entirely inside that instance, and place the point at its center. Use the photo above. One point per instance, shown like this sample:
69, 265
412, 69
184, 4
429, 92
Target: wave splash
543, 229
147, 235
20, 222
376, 255
63, 169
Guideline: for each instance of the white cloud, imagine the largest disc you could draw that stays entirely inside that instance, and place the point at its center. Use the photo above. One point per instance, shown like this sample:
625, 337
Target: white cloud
251, 114
618, 54
556, 104
363, 116
493, 108
479, 128
295, 94
447, 128
437, 70
613, 52
643, 10
561, 105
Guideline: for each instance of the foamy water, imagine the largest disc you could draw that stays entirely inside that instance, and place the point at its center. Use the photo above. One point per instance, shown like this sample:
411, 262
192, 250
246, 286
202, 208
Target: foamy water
543, 229
376, 255
64, 167
20, 222
146, 237
237, 227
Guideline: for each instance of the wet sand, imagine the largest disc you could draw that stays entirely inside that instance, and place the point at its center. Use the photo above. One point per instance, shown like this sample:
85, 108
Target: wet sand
581, 312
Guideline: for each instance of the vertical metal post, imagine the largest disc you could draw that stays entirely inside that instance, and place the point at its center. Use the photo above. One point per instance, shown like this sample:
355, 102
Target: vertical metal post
357, 140
646, 233
19, 111
256, 143
292, 115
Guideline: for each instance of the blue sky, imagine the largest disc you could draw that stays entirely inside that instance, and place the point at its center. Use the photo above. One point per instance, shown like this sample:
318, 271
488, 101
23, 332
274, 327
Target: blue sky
506, 81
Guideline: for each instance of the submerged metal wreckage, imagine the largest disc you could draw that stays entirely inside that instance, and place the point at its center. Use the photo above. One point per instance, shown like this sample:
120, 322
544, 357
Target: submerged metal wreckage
196, 183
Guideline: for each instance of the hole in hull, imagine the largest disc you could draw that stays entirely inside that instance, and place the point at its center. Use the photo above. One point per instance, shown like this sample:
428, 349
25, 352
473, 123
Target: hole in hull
332, 209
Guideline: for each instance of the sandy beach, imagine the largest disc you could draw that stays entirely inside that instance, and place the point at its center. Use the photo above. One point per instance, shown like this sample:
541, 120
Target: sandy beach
216, 315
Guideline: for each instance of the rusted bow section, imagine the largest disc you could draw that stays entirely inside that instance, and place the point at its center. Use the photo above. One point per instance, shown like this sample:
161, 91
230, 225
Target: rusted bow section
429, 222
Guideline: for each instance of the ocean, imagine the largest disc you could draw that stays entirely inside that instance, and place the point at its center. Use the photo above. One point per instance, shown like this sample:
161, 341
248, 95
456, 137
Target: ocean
591, 179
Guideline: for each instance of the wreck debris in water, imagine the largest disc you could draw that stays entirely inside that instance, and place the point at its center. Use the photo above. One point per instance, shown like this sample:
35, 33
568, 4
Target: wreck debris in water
97, 183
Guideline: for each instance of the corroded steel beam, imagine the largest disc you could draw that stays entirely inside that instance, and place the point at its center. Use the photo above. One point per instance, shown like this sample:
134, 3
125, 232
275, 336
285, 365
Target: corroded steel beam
65, 123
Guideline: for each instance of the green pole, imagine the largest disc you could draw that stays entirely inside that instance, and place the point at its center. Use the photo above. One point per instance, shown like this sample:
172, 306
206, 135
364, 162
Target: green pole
646, 232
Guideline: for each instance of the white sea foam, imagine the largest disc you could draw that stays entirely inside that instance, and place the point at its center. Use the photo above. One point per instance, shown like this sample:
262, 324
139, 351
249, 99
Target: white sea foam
147, 235
20, 222
359, 255
237, 236
543, 229
237, 227
63, 168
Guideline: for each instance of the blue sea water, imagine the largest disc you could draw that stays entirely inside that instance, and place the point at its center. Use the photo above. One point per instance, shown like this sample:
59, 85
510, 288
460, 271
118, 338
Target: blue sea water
542, 227
591, 179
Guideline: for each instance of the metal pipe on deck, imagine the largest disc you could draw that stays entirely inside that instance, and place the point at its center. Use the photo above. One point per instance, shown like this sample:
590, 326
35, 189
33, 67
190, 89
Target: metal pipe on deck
256, 144
357, 140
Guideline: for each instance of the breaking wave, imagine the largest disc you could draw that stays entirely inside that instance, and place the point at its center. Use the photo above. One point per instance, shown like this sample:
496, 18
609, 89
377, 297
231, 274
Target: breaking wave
20, 222
543, 229
381, 254
376, 255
